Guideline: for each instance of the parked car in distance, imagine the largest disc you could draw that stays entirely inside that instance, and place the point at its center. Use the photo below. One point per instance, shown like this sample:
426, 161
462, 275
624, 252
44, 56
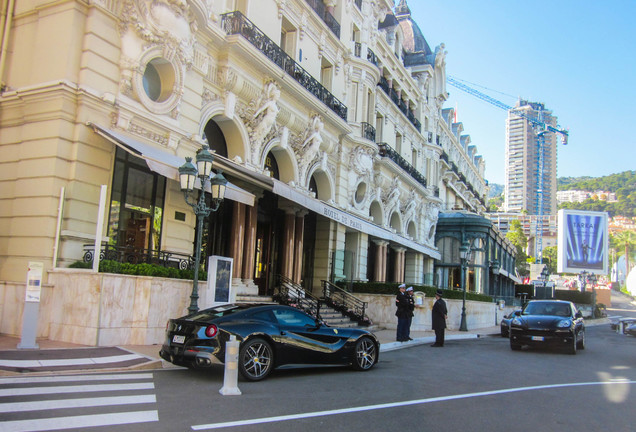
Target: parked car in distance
630, 329
270, 336
505, 324
548, 323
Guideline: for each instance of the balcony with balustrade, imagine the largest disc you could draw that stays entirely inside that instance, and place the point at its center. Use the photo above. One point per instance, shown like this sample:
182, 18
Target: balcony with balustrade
319, 7
387, 151
235, 23
400, 103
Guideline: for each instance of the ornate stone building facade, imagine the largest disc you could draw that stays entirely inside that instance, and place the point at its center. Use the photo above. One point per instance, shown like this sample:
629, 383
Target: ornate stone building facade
326, 117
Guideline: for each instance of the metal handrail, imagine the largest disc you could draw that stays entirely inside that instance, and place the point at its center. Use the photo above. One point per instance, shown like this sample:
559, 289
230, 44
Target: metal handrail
344, 302
133, 255
293, 294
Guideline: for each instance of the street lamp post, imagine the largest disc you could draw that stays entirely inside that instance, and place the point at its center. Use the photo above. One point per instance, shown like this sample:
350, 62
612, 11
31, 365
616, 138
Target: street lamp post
188, 174
495, 267
592, 280
583, 280
464, 256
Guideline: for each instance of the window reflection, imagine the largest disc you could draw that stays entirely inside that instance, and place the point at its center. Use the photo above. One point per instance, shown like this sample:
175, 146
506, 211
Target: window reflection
136, 210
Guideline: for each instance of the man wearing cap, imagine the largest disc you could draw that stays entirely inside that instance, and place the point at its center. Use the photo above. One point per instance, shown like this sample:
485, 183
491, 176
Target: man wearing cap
439, 319
402, 314
409, 296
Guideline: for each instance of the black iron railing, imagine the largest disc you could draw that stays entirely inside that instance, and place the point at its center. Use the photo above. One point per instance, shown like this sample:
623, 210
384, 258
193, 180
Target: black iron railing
444, 156
292, 294
371, 57
345, 302
387, 151
319, 7
368, 131
127, 254
400, 103
237, 23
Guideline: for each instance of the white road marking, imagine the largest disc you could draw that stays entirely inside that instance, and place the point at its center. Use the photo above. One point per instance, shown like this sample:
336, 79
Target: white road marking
73, 389
83, 421
73, 378
75, 403
393, 405
68, 362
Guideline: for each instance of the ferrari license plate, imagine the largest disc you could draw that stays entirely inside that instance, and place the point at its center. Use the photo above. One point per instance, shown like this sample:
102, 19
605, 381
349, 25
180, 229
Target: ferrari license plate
178, 339
538, 338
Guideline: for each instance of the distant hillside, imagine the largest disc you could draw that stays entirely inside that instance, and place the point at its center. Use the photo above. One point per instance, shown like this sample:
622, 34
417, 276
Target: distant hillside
610, 183
623, 184
495, 190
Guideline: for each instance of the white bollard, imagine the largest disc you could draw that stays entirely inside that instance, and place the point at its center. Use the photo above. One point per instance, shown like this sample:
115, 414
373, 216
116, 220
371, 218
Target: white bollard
230, 377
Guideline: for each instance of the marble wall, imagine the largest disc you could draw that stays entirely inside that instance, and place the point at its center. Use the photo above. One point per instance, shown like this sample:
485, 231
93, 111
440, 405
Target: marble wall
381, 310
103, 309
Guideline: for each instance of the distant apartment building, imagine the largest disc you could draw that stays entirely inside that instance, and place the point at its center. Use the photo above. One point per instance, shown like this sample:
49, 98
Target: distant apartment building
549, 228
580, 196
622, 223
524, 162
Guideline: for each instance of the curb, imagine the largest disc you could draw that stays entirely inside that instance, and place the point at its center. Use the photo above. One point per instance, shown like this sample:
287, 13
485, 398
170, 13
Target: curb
392, 346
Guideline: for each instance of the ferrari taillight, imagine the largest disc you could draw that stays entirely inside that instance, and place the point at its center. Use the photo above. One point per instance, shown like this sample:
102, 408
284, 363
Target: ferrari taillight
211, 330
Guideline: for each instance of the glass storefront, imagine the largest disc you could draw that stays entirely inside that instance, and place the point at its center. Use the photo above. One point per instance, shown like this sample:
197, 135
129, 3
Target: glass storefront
137, 203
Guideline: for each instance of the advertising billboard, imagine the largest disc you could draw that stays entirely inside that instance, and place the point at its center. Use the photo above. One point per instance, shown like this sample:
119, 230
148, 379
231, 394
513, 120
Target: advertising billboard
582, 242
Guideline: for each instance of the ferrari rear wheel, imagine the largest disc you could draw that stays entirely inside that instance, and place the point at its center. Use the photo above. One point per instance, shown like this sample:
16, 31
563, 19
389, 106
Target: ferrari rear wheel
256, 359
366, 354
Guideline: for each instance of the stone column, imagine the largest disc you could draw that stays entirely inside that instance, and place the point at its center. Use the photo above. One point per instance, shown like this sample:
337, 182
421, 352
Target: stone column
238, 238
379, 273
250, 243
298, 245
288, 243
398, 270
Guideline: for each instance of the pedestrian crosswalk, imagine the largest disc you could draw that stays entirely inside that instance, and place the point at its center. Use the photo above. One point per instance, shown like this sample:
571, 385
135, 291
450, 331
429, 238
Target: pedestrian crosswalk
76, 401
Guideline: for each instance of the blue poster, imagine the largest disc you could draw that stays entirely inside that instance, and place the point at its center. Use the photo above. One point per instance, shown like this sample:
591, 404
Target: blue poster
585, 241
223, 279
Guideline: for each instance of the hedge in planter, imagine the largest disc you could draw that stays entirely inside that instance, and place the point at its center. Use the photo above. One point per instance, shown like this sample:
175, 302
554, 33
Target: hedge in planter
143, 269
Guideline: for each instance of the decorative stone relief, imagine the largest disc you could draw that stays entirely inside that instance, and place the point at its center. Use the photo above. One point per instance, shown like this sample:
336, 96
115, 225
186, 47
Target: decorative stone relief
312, 139
282, 5
265, 114
169, 23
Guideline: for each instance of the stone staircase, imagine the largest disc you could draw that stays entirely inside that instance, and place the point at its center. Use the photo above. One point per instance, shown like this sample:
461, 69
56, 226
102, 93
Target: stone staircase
333, 318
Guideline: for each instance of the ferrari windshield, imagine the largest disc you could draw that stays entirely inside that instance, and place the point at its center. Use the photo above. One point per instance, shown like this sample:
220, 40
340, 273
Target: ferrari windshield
547, 308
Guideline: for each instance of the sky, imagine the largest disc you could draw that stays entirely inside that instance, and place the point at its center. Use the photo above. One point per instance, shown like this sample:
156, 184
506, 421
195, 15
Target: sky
576, 56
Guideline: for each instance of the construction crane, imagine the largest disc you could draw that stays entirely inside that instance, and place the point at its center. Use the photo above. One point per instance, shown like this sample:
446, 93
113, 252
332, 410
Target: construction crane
541, 128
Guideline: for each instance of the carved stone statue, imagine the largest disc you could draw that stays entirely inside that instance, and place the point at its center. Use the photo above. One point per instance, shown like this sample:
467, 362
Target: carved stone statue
265, 116
313, 139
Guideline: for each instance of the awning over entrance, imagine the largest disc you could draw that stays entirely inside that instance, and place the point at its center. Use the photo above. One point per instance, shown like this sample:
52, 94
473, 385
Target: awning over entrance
162, 162
349, 220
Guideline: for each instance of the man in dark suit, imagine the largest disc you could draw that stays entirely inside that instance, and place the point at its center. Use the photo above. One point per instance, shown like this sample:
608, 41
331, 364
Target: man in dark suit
439, 319
403, 313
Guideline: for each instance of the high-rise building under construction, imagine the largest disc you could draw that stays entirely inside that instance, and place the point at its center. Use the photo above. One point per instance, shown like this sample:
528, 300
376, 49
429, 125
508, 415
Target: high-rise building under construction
531, 161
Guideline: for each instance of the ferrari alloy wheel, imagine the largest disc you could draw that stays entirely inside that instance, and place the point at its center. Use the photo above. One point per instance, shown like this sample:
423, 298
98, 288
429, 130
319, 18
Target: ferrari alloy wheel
366, 354
256, 359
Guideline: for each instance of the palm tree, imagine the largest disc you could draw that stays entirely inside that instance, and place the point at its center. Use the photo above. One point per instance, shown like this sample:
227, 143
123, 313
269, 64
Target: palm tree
624, 240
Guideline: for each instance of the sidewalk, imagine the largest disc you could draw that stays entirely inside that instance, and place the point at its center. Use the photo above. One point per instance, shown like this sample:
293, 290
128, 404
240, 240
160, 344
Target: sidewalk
54, 356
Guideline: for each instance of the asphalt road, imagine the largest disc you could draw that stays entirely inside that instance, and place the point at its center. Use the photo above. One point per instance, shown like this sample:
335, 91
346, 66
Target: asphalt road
469, 385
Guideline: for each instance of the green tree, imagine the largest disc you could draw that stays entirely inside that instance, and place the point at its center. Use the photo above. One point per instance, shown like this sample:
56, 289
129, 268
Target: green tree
549, 258
624, 241
520, 241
